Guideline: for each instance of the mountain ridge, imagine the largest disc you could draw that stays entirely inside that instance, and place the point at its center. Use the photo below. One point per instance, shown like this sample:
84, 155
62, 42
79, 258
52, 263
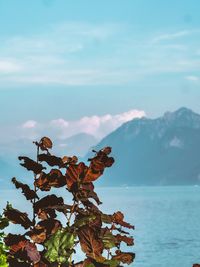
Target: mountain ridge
161, 151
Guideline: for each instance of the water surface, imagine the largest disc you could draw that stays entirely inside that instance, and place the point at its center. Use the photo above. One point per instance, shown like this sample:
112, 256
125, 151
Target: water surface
166, 219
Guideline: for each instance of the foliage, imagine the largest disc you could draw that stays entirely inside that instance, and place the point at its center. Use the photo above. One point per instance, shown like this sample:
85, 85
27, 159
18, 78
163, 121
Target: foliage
99, 235
3, 249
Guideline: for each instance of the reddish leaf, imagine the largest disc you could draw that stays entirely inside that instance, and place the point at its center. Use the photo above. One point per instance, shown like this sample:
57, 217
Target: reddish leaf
124, 257
32, 252
75, 173
87, 191
45, 143
40, 264
69, 160
125, 239
118, 218
90, 243
98, 164
31, 165
15, 242
52, 179
28, 193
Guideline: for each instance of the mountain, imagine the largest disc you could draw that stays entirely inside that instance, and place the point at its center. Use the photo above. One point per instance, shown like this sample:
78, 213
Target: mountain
162, 151
77, 145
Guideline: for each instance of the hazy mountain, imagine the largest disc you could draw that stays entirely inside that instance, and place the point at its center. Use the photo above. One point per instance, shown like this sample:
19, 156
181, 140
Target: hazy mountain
77, 144
162, 151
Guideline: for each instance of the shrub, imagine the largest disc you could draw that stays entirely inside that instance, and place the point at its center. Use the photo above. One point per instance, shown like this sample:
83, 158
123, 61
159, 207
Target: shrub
47, 241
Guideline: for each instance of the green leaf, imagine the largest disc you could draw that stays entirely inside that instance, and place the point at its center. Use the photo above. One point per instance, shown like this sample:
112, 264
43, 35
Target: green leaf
84, 220
4, 222
109, 240
111, 263
60, 246
3, 249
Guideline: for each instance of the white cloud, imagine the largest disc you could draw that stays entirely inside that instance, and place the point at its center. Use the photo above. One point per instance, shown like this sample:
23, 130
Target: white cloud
170, 36
8, 66
29, 124
98, 126
60, 123
192, 78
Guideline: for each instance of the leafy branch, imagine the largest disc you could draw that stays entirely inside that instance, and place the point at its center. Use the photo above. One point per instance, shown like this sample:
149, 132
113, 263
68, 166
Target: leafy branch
85, 224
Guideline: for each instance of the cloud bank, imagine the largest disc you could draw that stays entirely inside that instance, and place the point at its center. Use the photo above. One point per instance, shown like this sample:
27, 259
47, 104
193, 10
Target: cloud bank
98, 126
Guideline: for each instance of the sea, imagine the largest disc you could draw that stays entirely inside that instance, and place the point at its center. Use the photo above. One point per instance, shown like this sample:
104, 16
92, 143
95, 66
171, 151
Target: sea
166, 220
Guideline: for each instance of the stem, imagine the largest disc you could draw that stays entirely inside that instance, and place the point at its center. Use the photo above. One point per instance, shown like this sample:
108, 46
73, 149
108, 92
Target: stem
70, 260
35, 189
108, 254
72, 211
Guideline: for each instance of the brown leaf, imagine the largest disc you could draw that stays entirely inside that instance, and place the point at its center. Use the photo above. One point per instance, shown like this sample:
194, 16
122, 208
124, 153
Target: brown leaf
17, 217
124, 257
45, 143
31, 165
11, 239
126, 239
40, 264
75, 173
53, 179
87, 191
98, 164
50, 226
37, 234
69, 160
118, 218
90, 206
28, 193
90, 242
48, 201
51, 160
42, 214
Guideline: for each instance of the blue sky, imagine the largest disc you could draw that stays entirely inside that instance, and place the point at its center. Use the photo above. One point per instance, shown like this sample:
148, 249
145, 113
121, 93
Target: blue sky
70, 59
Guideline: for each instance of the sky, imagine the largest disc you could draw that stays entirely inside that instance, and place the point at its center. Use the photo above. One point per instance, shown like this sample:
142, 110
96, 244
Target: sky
89, 66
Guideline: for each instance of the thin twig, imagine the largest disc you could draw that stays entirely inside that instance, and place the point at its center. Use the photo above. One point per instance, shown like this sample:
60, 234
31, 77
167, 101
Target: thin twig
35, 189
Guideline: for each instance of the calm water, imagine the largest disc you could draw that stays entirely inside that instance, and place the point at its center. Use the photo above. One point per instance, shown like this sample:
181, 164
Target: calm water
167, 222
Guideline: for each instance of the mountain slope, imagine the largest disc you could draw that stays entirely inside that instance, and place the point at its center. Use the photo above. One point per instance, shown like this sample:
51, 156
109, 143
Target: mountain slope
163, 151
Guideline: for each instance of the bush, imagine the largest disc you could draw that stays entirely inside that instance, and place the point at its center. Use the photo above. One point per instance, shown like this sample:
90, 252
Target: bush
46, 240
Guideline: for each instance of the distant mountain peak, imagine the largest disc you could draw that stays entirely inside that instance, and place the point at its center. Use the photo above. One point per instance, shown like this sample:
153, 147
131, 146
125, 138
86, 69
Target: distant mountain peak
183, 117
183, 111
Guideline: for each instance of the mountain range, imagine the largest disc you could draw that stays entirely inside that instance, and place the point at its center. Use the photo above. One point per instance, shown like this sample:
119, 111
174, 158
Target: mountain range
161, 151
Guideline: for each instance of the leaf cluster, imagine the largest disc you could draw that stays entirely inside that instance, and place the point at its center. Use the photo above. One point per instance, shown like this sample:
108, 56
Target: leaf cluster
49, 242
